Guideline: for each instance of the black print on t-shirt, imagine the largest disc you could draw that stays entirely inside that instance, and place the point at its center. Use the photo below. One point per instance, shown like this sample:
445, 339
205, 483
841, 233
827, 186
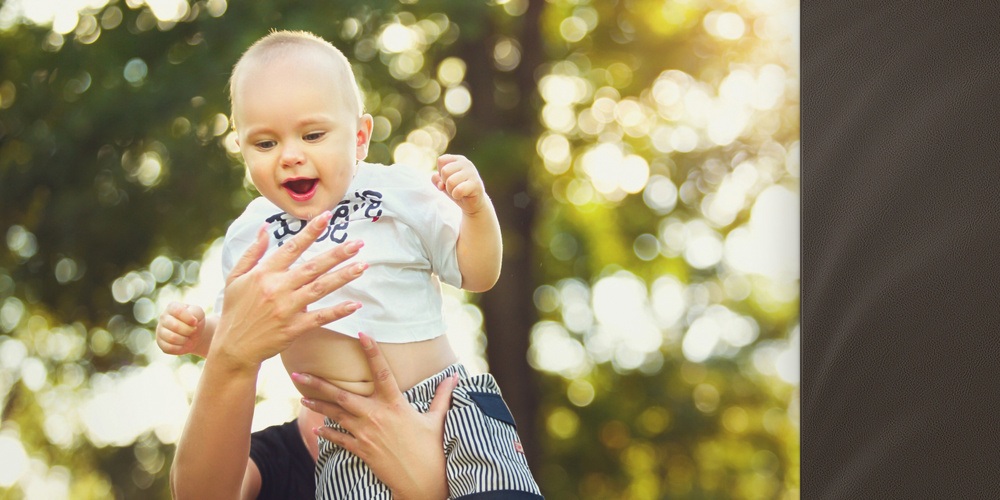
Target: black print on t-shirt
361, 206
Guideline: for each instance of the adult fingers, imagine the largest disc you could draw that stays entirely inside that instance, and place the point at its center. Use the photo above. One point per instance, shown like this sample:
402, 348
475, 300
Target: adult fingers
342, 439
294, 247
332, 410
319, 265
442, 395
385, 382
251, 256
327, 283
342, 403
326, 315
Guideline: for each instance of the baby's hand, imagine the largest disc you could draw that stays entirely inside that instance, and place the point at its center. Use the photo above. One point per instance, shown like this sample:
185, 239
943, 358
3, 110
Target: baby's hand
180, 328
458, 178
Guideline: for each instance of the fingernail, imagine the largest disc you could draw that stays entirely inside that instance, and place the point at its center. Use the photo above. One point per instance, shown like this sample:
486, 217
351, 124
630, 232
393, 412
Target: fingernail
316, 431
356, 245
325, 216
354, 306
308, 402
301, 377
360, 267
366, 341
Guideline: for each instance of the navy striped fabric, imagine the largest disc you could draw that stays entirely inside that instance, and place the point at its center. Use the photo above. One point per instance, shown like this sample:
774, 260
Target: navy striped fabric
482, 452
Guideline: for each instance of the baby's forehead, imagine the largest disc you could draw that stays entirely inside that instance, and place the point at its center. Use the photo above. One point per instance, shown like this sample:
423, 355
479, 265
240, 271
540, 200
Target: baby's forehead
293, 58
308, 53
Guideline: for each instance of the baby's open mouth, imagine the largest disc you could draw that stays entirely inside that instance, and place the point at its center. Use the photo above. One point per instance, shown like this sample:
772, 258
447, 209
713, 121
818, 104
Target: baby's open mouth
301, 190
300, 186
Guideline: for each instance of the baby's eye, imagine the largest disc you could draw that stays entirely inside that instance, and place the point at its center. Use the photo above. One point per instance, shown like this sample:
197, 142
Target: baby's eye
314, 136
265, 145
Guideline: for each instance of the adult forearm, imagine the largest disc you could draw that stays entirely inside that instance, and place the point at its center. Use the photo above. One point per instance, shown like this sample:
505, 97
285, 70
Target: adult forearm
212, 453
480, 249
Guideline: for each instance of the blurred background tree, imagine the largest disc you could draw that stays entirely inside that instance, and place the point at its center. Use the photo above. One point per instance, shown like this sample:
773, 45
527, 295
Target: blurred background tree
642, 156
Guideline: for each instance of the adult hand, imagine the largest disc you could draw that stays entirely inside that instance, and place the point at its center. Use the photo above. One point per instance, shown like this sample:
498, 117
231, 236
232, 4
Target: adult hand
403, 447
265, 301
264, 311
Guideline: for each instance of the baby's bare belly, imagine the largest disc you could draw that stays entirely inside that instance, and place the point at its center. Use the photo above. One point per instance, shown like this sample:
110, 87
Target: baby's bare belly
340, 360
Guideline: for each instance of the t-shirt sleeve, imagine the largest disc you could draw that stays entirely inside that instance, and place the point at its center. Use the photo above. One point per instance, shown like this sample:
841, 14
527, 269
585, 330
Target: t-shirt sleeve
436, 220
287, 471
228, 261
240, 235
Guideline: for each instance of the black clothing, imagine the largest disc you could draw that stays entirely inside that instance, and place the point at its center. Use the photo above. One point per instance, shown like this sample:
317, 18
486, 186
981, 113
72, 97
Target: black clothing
287, 470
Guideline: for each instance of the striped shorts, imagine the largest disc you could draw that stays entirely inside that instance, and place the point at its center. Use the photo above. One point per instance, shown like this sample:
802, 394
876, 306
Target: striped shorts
483, 456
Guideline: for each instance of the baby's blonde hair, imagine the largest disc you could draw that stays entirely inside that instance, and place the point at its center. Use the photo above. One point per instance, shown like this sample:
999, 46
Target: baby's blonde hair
276, 43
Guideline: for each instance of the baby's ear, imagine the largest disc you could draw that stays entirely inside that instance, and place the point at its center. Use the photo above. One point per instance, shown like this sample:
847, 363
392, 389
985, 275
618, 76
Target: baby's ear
364, 136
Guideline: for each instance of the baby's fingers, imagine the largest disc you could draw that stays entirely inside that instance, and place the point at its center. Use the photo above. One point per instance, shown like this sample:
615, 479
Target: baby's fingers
171, 343
465, 189
173, 326
172, 336
436, 180
182, 313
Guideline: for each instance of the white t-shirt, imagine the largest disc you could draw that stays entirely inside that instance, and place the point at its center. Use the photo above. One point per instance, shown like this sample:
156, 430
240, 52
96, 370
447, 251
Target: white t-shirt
410, 232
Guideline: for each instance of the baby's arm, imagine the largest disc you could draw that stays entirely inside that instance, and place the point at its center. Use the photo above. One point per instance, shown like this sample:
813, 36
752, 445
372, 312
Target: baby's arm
184, 329
479, 245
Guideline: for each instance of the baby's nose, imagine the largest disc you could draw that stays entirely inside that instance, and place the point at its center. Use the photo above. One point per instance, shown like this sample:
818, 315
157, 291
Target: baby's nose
292, 155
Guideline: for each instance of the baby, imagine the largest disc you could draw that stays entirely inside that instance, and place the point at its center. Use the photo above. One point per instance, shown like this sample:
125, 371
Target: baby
301, 129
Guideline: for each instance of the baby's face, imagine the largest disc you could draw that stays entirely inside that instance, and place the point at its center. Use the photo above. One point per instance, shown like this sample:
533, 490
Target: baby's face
298, 135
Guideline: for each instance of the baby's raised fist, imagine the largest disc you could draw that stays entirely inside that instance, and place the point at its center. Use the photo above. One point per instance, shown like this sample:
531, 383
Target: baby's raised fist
457, 177
180, 328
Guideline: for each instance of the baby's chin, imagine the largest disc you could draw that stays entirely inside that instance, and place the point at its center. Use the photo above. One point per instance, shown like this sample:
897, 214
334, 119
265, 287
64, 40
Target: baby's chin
321, 201
308, 212
306, 215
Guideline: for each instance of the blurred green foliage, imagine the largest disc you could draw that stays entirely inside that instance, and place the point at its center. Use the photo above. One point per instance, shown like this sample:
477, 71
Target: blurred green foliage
600, 129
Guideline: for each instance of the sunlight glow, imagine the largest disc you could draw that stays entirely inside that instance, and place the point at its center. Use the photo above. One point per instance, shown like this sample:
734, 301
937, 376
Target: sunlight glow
506, 54
457, 100
725, 25
718, 331
15, 459
573, 29
563, 90
553, 350
169, 10
668, 301
397, 38
555, 149
768, 243
703, 246
451, 71
60, 14
123, 405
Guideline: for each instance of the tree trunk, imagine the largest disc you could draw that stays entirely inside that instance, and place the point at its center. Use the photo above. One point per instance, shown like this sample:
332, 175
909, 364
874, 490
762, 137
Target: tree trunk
501, 142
